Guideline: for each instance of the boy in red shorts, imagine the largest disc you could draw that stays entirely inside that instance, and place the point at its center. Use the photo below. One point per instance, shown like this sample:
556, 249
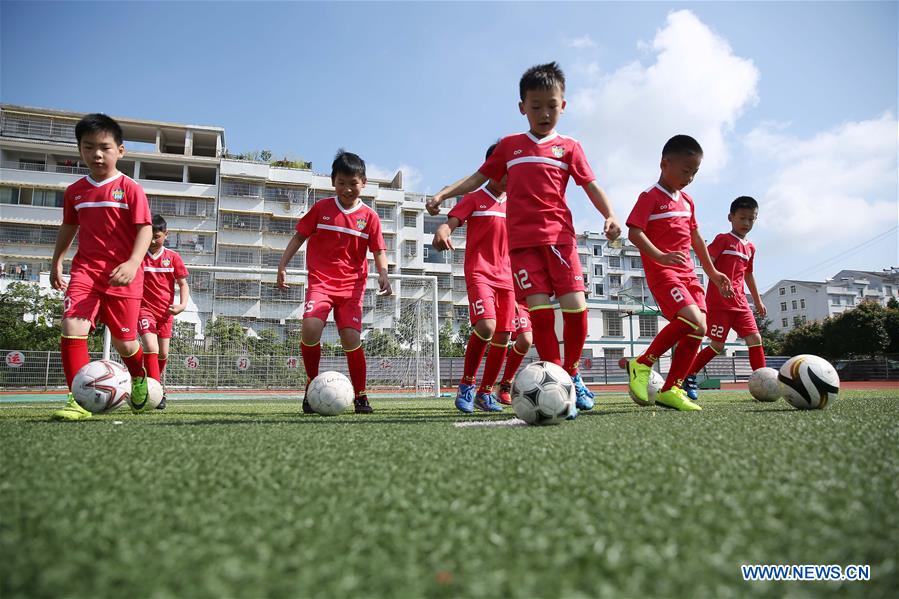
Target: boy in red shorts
341, 230
734, 256
110, 214
491, 298
663, 226
542, 244
163, 269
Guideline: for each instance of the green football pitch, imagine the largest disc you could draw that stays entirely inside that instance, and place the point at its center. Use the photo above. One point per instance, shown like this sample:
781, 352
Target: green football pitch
248, 498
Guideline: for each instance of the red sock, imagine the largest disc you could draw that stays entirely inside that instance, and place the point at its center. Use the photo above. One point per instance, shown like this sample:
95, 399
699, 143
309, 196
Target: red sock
135, 363
682, 361
355, 360
513, 361
312, 355
74, 355
574, 334
495, 358
543, 322
673, 332
474, 352
756, 356
151, 363
162, 362
704, 357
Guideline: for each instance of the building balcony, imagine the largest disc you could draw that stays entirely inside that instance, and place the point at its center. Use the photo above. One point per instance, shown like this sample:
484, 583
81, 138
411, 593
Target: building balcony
242, 203
243, 237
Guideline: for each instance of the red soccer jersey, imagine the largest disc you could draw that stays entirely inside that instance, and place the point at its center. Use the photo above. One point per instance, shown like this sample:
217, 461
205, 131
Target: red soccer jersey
160, 273
668, 221
734, 257
106, 214
339, 240
486, 242
538, 171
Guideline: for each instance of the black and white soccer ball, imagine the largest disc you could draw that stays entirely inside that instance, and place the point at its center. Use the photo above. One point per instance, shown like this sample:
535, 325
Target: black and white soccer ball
102, 386
808, 382
764, 385
330, 393
542, 393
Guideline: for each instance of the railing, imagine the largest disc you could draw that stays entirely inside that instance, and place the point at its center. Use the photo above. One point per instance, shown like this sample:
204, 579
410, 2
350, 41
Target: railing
18, 125
45, 168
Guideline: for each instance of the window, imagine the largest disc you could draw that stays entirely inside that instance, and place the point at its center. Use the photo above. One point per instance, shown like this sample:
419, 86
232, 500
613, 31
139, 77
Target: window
802, 303
794, 304
410, 248
385, 212
612, 324
583, 259
237, 289
389, 243
783, 306
792, 288
613, 353
803, 319
410, 219
444, 281
45, 197
796, 321
614, 262
282, 226
459, 257
637, 263
614, 280
597, 250
290, 195
9, 195
701, 278
598, 290
240, 257
649, 325
241, 221
784, 323
241, 189
459, 285
320, 194
431, 223
782, 291
460, 312
597, 270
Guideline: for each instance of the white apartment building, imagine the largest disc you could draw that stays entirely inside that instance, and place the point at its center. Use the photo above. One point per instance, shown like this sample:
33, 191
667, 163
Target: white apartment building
238, 213
791, 303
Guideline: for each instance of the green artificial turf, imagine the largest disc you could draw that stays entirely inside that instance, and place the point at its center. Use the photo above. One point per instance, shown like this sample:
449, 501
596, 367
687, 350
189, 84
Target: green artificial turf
250, 499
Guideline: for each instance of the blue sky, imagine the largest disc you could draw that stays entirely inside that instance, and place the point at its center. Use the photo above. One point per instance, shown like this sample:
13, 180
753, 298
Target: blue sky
794, 102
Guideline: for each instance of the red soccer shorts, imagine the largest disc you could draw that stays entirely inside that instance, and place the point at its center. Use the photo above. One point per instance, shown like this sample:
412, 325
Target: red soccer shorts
673, 293
118, 313
550, 269
161, 326
347, 309
486, 302
720, 322
522, 321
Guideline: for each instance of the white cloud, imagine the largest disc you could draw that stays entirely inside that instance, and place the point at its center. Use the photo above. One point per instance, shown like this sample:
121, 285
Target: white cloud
411, 176
693, 83
832, 190
580, 42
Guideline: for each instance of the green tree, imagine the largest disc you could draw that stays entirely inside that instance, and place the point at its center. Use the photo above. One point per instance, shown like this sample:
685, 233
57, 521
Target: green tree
379, 343
30, 320
893, 304
448, 346
772, 339
225, 336
804, 339
891, 325
266, 343
462, 335
265, 155
856, 332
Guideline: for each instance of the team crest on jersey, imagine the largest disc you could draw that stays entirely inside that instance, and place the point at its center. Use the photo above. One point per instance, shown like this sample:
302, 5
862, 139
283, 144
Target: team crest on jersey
166, 262
360, 223
558, 151
118, 194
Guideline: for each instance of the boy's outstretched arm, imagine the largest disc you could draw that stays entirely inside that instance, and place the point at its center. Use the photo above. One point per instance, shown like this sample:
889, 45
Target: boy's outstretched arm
124, 273
64, 239
638, 237
756, 298
460, 187
295, 243
384, 287
715, 276
597, 195
442, 239
183, 298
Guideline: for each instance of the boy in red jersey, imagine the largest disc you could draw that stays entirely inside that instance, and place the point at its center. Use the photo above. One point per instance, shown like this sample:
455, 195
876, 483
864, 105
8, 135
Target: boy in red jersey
341, 230
111, 216
523, 340
663, 226
734, 256
542, 244
491, 296
163, 268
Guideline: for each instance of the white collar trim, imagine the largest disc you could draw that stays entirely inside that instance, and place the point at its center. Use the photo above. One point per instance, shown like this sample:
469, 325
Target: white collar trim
675, 196
105, 181
351, 210
487, 191
737, 237
156, 257
549, 137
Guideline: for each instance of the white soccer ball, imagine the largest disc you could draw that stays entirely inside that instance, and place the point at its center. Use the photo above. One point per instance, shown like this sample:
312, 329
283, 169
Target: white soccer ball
154, 393
656, 381
330, 393
542, 393
102, 386
809, 382
764, 385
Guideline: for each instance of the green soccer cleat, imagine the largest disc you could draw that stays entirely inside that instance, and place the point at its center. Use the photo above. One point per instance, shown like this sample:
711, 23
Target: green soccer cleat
71, 411
139, 395
638, 375
676, 398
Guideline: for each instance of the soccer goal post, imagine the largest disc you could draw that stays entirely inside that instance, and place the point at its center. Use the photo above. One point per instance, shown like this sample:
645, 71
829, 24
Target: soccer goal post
241, 331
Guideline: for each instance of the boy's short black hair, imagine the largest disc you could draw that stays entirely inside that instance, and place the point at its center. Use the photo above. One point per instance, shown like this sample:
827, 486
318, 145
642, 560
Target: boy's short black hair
743, 202
490, 150
683, 145
542, 76
98, 123
159, 224
347, 164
